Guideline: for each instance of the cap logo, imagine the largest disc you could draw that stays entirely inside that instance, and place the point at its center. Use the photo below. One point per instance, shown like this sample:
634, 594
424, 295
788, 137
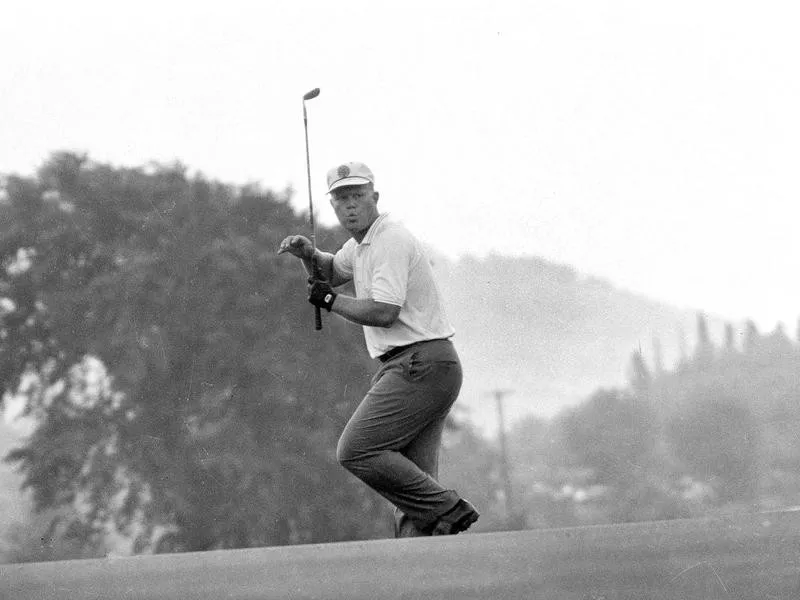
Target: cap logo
343, 171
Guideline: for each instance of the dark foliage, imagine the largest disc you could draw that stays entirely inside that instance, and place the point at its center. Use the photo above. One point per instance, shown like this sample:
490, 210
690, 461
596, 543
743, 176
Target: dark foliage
182, 396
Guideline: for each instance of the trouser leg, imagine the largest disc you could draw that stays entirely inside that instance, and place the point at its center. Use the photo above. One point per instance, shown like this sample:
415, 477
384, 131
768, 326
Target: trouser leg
402, 414
423, 451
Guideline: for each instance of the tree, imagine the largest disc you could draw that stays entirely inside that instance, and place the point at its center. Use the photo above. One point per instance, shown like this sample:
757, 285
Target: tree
43, 537
777, 344
704, 349
718, 440
215, 420
730, 339
752, 338
541, 469
658, 357
638, 374
683, 353
612, 434
615, 434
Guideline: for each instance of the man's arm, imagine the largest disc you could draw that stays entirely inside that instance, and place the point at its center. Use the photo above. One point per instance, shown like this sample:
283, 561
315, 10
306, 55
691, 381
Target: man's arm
301, 247
365, 311
325, 268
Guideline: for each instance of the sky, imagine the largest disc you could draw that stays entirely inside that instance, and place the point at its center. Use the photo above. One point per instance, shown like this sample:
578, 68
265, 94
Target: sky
652, 144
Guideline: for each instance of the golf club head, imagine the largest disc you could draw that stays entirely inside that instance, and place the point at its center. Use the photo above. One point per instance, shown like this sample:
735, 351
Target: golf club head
312, 94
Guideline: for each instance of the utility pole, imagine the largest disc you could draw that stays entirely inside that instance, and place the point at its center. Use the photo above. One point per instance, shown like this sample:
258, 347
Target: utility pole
499, 395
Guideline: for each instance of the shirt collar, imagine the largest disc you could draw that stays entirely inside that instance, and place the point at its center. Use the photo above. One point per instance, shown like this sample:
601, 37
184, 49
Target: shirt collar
373, 229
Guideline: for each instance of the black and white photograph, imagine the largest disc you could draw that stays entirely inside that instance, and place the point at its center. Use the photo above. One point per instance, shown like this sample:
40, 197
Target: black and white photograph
414, 301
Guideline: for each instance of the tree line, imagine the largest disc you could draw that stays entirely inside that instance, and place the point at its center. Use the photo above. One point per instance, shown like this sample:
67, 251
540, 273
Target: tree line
715, 433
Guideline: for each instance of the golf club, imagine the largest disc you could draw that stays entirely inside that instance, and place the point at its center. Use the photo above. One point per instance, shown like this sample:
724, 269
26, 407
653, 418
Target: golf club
317, 313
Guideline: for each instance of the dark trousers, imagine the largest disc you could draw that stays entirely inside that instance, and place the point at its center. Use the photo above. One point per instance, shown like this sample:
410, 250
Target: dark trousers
392, 440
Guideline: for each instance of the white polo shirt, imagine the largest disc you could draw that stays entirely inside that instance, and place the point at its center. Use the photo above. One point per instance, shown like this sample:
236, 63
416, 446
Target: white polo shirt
390, 265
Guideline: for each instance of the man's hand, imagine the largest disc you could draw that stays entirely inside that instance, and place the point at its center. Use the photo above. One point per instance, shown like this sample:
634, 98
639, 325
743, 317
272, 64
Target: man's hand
297, 245
318, 265
321, 294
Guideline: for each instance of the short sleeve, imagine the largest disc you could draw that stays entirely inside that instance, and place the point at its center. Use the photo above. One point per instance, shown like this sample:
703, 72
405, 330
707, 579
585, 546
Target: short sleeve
394, 255
343, 260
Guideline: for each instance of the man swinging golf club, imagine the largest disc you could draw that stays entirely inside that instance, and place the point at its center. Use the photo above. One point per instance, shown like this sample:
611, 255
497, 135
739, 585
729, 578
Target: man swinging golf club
392, 440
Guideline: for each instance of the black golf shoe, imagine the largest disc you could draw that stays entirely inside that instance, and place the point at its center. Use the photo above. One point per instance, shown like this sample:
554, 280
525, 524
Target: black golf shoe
405, 527
457, 519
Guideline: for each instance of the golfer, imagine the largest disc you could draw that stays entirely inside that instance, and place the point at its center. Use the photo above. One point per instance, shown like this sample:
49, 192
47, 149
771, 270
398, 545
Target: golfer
392, 440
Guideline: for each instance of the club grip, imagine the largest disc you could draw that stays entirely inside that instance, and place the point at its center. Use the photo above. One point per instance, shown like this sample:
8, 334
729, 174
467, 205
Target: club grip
317, 275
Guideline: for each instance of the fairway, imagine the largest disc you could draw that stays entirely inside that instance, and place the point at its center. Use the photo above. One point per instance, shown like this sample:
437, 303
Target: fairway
745, 557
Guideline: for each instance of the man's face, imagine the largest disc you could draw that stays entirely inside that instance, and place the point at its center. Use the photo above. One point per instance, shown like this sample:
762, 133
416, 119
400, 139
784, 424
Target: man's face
356, 206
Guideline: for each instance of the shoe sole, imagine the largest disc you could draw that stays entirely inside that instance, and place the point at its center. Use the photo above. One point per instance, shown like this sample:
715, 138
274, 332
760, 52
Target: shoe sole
465, 522
462, 524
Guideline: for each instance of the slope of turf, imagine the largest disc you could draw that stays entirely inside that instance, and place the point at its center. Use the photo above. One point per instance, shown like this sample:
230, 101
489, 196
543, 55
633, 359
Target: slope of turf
745, 557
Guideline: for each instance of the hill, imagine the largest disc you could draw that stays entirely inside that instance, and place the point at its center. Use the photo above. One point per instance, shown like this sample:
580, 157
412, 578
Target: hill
550, 333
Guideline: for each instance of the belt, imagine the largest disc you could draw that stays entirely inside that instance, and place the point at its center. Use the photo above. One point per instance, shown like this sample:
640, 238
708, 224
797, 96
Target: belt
398, 349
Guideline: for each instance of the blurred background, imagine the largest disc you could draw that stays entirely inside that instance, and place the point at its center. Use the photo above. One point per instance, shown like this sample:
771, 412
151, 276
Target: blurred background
607, 191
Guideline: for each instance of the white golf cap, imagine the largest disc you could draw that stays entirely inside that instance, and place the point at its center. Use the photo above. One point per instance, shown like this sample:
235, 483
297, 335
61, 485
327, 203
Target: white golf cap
351, 173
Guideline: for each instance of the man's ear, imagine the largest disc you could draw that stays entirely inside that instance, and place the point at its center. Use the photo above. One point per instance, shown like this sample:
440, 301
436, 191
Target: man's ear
375, 196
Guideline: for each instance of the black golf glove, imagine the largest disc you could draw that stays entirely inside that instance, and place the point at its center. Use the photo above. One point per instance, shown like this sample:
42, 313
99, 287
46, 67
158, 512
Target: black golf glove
320, 293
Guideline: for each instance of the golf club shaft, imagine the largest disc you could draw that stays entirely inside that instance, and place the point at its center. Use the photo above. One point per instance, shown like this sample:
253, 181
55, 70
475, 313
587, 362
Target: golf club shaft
314, 271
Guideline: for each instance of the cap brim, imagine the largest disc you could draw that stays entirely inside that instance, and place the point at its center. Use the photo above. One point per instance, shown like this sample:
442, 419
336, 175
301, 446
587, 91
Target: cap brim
348, 181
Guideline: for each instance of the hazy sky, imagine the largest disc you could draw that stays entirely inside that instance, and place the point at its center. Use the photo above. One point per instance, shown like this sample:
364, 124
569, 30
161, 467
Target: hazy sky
654, 144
